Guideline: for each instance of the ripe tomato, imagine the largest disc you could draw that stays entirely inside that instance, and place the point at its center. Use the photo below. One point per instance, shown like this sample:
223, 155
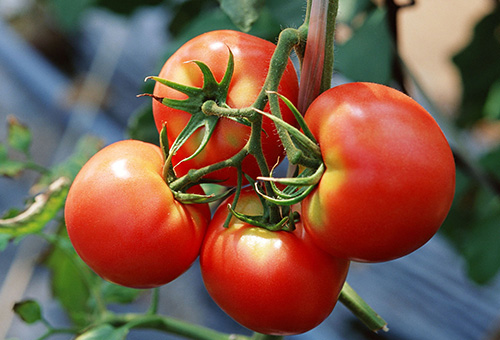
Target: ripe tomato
251, 62
124, 221
390, 173
278, 282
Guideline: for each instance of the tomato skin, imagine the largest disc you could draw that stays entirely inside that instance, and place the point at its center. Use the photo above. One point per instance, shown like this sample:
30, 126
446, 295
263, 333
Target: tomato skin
276, 283
390, 174
124, 222
251, 63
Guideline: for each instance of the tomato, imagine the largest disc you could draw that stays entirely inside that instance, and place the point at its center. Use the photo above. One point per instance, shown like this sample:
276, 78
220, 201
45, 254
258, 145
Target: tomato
272, 282
251, 62
124, 222
390, 174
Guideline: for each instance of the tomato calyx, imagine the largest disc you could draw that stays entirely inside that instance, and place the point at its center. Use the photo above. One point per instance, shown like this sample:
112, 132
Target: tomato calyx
287, 223
302, 150
296, 189
169, 176
212, 90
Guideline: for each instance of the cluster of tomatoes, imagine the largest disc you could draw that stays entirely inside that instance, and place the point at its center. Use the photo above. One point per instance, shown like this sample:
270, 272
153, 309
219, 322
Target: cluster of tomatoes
388, 185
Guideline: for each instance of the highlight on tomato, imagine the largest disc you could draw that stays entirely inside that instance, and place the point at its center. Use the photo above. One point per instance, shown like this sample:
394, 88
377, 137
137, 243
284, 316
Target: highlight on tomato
251, 63
272, 282
390, 173
124, 222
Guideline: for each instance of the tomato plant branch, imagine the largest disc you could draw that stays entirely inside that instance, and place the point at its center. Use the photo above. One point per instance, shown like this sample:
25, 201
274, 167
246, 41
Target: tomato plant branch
317, 66
155, 299
259, 336
349, 298
170, 325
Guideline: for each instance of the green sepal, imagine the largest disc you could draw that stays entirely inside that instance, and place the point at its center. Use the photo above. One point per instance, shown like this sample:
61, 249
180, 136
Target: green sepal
190, 198
259, 220
304, 179
211, 90
197, 121
287, 201
297, 187
298, 116
168, 170
304, 143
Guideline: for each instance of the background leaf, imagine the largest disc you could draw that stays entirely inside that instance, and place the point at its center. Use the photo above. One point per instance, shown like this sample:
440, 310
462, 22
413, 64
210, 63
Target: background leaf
367, 55
104, 332
29, 311
4, 241
19, 136
472, 223
141, 125
9, 167
112, 293
44, 208
479, 67
86, 147
71, 281
243, 13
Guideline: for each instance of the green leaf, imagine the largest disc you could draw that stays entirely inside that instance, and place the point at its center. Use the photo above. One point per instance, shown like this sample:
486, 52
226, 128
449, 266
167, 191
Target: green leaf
367, 55
287, 13
19, 136
141, 125
4, 241
29, 311
69, 13
243, 13
86, 147
265, 27
479, 66
482, 248
106, 332
8, 167
112, 293
350, 9
44, 208
70, 281
490, 163
472, 225
492, 105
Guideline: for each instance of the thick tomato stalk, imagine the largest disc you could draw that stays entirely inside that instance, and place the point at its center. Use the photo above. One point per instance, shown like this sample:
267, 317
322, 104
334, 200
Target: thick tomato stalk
251, 63
124, 222
272, 282
390, 174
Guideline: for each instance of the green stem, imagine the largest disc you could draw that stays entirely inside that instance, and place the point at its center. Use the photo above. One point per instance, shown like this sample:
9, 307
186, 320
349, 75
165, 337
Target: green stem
210, 107
331, 18
155, 299
36, 167
85, 274
260, 336
195, 175
55, 331
317, 66
349, 298
170, 325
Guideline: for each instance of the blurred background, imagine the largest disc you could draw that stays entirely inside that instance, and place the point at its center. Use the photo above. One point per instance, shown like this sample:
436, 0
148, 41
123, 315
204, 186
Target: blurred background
70, 72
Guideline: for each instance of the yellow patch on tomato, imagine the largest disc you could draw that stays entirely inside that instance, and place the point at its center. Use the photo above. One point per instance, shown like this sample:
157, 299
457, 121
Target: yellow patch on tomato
260, 243
332, 180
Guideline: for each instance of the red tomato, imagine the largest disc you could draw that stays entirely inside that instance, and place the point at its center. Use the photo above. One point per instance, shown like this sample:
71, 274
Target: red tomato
271, 282
251, 62
390, 173
124, 221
